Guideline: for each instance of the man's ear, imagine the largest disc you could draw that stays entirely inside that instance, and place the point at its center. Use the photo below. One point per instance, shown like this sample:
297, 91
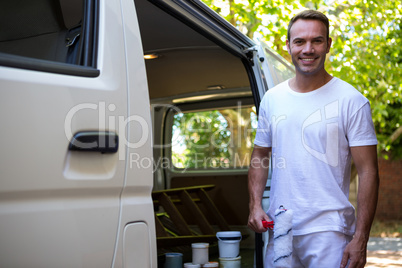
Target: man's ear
288, 47
329, 44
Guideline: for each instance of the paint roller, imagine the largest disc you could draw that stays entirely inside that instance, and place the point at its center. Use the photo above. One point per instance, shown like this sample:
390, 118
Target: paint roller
283, 238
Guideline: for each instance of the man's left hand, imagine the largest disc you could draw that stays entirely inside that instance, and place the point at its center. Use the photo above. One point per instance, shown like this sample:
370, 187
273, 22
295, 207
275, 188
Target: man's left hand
356, 253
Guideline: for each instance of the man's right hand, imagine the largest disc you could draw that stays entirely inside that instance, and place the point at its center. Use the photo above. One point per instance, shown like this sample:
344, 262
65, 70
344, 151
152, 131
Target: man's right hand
255, 220
257, 180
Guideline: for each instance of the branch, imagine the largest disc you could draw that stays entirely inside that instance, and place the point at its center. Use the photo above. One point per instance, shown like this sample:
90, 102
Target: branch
396, 134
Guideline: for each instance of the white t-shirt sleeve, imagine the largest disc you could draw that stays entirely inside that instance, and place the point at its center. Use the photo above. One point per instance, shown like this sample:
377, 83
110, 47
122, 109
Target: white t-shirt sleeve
263, 135
360, 130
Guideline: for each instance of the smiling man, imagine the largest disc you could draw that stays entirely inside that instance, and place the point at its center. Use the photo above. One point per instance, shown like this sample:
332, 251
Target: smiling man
317, 123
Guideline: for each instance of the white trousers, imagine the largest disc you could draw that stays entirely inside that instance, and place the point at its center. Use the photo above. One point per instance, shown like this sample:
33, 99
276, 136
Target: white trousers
316, 250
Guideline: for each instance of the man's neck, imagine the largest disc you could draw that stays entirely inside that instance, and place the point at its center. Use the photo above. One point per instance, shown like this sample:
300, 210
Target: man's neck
306, 83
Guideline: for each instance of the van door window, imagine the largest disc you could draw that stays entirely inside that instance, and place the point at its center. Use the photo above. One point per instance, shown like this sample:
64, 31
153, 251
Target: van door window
52, 36
214, 139
275, 67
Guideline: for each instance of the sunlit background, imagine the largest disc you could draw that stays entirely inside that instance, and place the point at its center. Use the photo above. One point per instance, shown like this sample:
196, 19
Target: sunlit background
366, 50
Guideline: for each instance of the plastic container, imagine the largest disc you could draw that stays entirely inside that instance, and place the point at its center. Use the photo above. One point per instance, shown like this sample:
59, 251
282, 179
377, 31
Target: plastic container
200, 253
173, 260
229, 244
191, 265
212, 264
230, 262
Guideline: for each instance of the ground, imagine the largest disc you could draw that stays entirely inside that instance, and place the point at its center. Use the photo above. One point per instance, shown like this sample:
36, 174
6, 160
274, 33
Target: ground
386, 256
382, 258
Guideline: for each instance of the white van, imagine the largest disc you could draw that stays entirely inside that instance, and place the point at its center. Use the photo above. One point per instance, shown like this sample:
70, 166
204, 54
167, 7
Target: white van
86, 121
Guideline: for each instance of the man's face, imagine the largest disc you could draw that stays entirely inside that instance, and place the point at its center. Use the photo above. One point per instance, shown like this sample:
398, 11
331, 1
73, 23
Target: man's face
308, 46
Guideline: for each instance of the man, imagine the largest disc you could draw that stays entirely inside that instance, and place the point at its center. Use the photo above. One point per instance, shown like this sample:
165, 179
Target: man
315, 124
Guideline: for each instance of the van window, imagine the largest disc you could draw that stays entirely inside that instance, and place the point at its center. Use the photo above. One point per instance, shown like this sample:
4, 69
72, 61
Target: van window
279, 69
214, 139
49, 35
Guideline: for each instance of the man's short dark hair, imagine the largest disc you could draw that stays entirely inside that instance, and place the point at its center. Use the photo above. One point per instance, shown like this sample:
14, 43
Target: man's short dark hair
310, 15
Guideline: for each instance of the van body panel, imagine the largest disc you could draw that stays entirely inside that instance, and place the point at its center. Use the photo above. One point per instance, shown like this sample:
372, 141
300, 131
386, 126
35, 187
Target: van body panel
136, 203
137, 250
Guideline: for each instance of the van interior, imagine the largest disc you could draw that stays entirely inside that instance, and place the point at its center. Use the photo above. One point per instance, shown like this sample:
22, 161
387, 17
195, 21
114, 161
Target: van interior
190, 74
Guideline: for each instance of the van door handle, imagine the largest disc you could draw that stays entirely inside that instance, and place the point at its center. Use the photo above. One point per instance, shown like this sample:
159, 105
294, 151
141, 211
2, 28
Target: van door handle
95, 141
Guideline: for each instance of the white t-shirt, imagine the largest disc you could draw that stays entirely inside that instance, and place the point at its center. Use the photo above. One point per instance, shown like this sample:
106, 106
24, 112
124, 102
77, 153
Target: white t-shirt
310, 135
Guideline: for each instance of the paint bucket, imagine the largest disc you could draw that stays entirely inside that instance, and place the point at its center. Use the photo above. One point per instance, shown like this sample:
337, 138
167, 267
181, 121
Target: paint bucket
173, 260
200, 252
191, 265
230, 262
229, 243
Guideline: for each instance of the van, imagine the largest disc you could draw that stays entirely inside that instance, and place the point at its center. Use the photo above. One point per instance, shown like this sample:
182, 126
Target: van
103, 105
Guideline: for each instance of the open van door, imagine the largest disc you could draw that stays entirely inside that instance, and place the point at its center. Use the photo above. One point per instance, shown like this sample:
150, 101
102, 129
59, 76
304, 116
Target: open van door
275, 70
270, 69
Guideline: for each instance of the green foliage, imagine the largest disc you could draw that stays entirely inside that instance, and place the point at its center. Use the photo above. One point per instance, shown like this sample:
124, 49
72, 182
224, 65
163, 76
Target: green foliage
386, 228
213, 139
200, 135
366, 50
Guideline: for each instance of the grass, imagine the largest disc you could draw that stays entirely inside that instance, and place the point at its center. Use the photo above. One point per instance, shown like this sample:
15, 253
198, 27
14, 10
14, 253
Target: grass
386, 229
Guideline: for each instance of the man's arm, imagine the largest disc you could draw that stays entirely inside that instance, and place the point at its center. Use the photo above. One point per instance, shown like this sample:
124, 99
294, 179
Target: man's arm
365, 159
257, 179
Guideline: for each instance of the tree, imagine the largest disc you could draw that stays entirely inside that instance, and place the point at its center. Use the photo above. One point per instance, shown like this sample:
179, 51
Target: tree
214, 139
366, 50
197, 136
367, 54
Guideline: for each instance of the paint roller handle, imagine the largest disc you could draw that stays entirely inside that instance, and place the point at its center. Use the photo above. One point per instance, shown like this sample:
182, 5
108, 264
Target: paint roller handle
268, 224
